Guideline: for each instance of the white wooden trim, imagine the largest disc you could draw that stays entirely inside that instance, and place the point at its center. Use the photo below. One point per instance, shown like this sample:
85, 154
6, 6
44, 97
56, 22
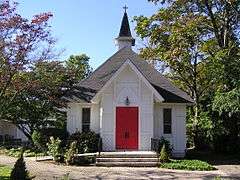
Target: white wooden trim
128, 62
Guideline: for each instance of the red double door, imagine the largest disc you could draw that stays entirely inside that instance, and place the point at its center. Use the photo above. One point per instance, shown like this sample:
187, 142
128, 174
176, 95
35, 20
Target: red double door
127, 128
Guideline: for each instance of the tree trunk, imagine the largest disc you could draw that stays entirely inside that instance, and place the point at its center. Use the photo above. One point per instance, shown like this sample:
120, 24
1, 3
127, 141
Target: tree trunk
25, 132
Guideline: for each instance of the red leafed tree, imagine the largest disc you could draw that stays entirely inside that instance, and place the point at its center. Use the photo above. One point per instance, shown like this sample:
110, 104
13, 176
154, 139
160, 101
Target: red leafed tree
23, 42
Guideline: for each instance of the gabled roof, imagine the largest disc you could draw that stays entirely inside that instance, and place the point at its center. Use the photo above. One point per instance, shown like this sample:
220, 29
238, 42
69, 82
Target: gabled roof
92, 84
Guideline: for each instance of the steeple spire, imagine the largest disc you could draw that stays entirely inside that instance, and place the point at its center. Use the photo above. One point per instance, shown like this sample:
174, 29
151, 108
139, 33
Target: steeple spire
125, 38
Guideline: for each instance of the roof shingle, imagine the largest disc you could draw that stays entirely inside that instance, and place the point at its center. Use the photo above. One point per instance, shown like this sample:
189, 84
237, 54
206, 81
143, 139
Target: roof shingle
103, 73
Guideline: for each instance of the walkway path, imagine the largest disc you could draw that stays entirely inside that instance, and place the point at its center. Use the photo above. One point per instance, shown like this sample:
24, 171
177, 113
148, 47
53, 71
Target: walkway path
48, 171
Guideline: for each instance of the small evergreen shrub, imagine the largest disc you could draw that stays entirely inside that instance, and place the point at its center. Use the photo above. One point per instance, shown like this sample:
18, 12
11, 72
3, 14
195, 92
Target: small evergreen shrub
54, 148
87, 142
19, 171
167, 144
164, 156
70, 153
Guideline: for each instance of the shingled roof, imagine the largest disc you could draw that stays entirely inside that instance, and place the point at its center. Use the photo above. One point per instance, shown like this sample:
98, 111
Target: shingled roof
85, 90
125, 29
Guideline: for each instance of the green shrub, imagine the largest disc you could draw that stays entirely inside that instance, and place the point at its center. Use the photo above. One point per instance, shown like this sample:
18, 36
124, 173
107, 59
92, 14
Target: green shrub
16, 152
164, 156
70, 153
167, 144
19, 170
37, 139
87, 142
41, 137
54, 148
192, 165
84, 160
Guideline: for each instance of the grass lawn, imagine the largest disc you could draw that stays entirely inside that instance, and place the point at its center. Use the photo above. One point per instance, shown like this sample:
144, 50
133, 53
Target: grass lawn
16, 152
186, 164
4, 172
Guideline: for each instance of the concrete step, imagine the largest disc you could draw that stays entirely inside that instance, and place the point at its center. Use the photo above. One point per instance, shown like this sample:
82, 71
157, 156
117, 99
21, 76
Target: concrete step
127, 164
127, 159
147, 154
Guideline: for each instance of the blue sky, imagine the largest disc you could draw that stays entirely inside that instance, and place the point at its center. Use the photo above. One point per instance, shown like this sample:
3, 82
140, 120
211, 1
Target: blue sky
88, 27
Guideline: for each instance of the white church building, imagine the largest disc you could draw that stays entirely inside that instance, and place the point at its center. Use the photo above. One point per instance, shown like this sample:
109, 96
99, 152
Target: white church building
128, 102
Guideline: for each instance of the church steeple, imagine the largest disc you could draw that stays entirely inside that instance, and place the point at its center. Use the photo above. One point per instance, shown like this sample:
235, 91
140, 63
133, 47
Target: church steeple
125, 38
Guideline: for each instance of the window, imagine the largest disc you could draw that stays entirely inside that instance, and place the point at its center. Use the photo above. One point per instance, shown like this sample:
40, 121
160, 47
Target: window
85, 119
167, 121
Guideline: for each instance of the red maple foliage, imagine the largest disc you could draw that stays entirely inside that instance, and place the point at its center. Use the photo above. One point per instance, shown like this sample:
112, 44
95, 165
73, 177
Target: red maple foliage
23, 42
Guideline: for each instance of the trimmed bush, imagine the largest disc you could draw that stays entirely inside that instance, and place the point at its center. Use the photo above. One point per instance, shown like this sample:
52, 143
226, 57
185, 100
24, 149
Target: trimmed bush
19, 171
87, 142
164, 156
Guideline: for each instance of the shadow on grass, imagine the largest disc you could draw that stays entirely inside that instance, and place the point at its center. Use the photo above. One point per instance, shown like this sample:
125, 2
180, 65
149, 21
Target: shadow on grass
4, 177
214, 158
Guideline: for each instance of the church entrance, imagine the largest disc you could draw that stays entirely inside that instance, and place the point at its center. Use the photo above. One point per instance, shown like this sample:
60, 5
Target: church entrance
127, 128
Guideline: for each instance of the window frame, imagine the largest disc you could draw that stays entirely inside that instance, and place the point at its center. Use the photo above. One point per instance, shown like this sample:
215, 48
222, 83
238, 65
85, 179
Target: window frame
167, 123
86, 123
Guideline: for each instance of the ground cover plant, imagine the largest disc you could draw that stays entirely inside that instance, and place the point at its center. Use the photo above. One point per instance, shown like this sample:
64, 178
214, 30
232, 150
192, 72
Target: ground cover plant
186, 164
16, 152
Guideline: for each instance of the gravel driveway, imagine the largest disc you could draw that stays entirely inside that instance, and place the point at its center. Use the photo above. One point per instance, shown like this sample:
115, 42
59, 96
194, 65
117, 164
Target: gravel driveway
43, 170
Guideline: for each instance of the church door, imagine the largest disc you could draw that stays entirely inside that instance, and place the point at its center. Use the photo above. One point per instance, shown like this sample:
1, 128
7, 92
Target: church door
127, 128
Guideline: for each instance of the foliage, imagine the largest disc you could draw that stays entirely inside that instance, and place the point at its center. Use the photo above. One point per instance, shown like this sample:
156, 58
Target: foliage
227, 102
54, 148
19, 170
37, 139
79, 64
31, 83
84, 160
164, 156
205, 131
5, 172
193, 165
48, 132
16, 152
70, 153
197, 43
23, 42
166, 143
87, 142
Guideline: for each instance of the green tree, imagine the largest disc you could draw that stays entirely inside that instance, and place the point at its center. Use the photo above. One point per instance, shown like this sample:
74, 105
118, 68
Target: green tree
79, 65
22, 42
41, 105
199, 43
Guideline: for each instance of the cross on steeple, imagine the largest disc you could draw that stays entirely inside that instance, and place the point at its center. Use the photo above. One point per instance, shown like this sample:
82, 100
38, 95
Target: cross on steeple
125, 38
125, 8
